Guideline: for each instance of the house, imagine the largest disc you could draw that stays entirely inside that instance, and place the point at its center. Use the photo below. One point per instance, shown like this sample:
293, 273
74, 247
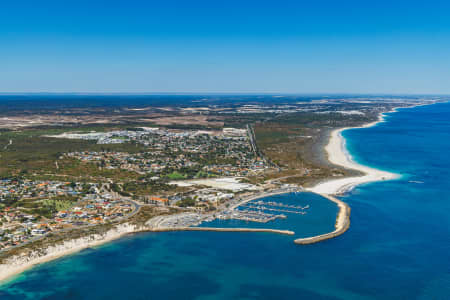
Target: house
157, 201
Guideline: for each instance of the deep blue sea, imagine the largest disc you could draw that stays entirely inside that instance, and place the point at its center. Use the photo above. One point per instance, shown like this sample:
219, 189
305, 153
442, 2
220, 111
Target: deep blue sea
398, 245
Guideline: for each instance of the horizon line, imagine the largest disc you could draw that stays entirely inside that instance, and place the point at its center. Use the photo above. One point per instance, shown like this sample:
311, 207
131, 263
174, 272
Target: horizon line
222, 93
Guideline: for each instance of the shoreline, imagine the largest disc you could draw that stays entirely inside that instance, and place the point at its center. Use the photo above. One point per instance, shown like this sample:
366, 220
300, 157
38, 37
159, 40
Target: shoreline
337, 154
17, 264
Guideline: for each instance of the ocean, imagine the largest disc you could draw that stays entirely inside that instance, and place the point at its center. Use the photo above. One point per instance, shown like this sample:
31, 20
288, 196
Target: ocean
398, 245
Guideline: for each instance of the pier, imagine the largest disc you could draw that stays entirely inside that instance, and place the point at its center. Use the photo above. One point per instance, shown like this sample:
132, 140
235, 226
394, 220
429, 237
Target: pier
261, 207
260, 195
258, 211
271, 203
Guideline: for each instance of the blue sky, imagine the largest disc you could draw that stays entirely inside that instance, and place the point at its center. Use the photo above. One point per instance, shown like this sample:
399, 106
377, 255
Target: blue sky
225, 46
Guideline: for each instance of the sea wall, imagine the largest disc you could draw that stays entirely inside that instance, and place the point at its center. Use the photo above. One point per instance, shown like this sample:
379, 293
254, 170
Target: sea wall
287, 232
342, 224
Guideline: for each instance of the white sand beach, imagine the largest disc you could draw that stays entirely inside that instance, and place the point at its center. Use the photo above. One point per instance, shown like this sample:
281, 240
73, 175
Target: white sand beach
338, 155
15, 265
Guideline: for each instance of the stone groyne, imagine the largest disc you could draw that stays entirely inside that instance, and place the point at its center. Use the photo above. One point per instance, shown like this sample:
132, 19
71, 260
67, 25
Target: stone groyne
342, 224
287, 232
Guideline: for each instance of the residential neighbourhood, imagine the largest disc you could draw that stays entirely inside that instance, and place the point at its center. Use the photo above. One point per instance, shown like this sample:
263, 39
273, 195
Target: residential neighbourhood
35, 208
195, 153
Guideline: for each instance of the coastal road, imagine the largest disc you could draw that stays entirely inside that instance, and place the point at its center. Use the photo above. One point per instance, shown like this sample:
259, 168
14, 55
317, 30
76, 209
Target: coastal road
252, 140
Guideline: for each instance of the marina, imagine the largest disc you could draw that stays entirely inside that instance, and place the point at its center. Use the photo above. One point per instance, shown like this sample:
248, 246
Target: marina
277, 207
272, 203
262, 211
262, 208
254, 211
250, 216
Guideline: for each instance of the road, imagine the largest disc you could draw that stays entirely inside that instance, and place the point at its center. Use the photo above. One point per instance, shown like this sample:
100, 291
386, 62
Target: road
254, 146
6, 147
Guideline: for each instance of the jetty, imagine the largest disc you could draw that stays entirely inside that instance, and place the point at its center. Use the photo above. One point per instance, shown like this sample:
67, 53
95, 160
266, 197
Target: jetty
260, 195
262, 208
250, 216
271, 203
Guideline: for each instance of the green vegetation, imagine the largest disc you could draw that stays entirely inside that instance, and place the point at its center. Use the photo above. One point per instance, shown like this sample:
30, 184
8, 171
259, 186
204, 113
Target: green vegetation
186, 202
176, 176
58, 205
33, 154
43, 207
295, 142
141, 188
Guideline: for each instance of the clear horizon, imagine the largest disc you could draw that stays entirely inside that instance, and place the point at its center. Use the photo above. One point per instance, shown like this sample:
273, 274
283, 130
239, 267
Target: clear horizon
201, 47
312, 94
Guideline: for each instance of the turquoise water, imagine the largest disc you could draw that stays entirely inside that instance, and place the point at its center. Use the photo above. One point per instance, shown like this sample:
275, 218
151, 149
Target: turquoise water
398, 245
